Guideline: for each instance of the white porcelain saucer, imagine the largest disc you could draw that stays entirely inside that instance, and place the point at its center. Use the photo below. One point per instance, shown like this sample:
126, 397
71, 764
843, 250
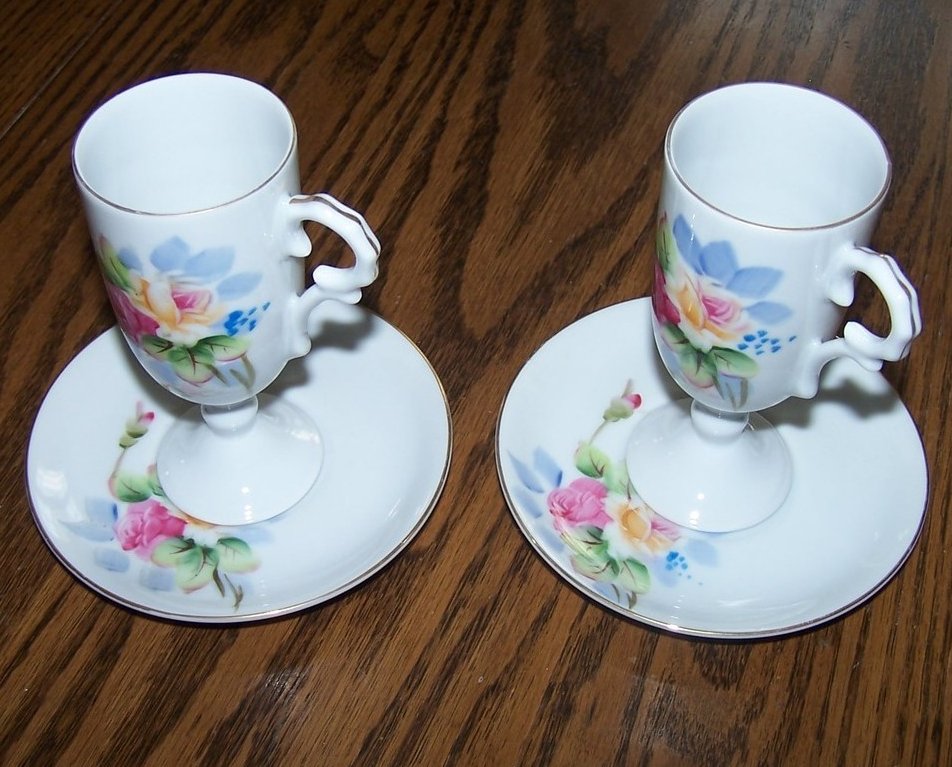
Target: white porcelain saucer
386, 428
851, 519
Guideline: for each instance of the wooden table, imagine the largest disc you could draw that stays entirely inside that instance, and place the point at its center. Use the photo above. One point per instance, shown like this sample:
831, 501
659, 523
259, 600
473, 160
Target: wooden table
508, 155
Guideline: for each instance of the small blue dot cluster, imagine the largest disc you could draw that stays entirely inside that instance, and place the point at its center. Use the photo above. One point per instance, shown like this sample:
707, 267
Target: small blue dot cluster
243, 320
762, 342
675, 561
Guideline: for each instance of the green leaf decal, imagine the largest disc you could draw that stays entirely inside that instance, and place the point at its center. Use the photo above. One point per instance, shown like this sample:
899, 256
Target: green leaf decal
591, 461
194, 565
674, 337
665, 249
590, 553
153, 477
697, 367
587, 540
112, 268
235, 556
131, 488
223, 348
156, 347
193, 364
136, 429
616, 478
732, 362
171, 551
633, 575
618, 410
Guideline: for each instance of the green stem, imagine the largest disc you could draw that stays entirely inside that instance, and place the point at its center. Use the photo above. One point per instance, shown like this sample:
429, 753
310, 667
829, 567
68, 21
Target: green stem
598, 431
115, 470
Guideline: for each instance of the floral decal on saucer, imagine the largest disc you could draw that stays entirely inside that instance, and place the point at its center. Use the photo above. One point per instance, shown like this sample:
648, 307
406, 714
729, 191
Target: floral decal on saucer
179, 309
178, 551
712, 314
609, 533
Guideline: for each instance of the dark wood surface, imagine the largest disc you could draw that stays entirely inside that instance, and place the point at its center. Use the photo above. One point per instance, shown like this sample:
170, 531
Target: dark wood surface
508, 155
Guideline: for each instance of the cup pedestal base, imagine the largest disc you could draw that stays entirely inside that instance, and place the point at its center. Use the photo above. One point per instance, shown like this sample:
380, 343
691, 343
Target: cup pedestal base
706, 470
241, 464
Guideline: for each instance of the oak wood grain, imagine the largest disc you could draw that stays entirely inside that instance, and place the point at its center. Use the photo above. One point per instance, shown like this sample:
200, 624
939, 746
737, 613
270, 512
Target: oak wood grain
508, 155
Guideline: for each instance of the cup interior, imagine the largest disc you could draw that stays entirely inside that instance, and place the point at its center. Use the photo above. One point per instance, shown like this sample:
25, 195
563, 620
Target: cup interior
183, 143
778, 156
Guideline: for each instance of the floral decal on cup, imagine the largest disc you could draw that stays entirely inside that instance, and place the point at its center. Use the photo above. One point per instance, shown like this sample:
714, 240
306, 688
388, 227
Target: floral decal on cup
712, 313
176, 550
178, 308
610, 535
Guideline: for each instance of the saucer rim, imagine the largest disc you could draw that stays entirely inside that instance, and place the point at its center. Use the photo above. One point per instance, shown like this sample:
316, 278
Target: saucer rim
421, 516
674, 629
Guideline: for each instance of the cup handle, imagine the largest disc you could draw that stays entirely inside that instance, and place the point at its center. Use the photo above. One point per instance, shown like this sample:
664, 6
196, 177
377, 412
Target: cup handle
330, 282
858, 343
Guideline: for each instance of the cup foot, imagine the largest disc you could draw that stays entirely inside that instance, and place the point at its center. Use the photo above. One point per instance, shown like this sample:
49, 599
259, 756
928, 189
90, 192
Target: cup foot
708, 476
245, 467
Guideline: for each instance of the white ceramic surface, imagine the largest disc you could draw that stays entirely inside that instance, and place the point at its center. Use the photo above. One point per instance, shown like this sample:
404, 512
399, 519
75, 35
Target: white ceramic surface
192, 194
668, 438
852, 516
386, 432
214, 471
769, 194
198, 224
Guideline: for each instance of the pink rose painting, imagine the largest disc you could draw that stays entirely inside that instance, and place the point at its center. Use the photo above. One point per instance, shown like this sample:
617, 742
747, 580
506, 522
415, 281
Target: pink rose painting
134, 323
145, 525
606, 532
143, 534
179, 310
582, 502
713, 314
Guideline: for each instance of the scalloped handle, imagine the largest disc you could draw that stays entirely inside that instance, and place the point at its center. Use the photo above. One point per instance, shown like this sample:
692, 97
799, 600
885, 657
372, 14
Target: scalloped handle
857, 342
342, 284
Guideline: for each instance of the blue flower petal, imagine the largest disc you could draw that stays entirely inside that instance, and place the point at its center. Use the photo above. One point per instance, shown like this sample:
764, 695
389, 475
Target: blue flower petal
701, 551
769, 312
157, 578
546, 466
754, 281
718, 261
211, 264
170, 255
129, 260
111, 559
238, 285
526, 475
91, 531
528, 501
101, 515
101, 511
688, 245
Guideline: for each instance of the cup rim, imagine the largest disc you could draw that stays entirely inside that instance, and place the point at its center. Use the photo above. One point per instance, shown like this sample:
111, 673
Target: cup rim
86, 186
871, 205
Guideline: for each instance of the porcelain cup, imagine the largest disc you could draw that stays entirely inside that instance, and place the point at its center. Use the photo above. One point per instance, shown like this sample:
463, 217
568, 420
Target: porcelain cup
770, 195
191, 191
